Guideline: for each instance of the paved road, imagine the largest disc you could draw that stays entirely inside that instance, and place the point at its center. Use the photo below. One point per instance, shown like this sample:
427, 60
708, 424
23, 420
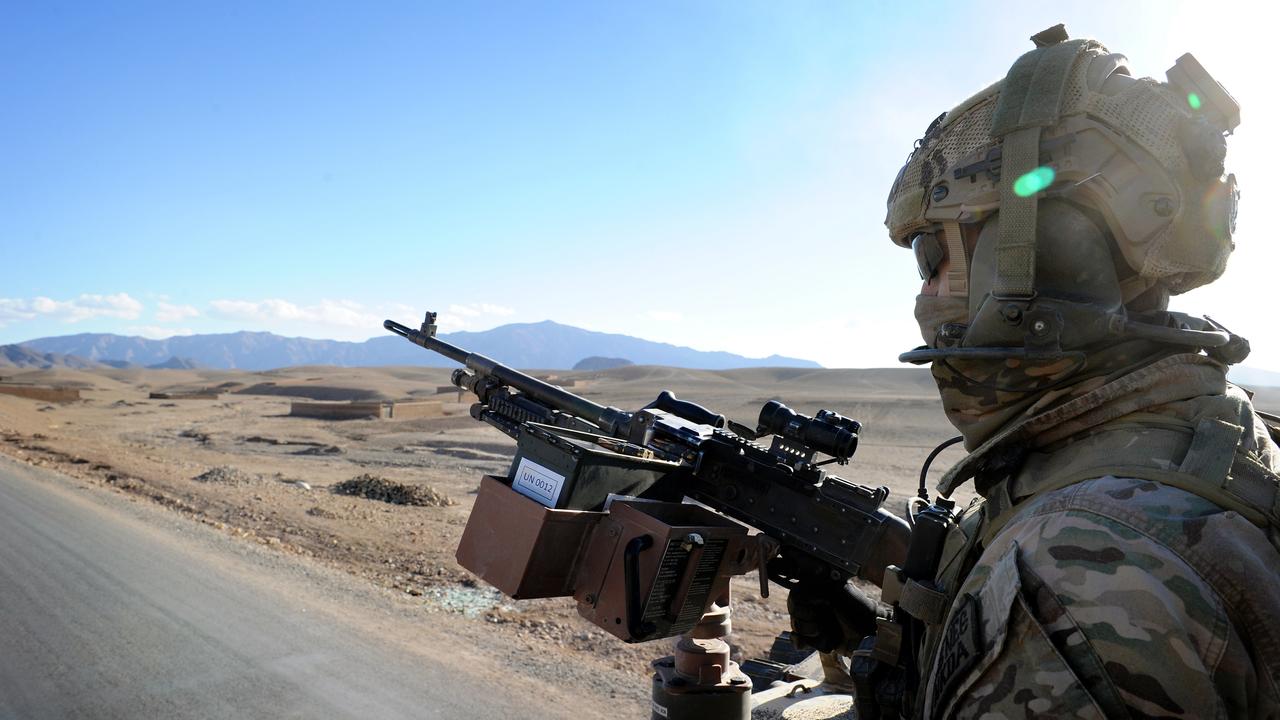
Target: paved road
103, 615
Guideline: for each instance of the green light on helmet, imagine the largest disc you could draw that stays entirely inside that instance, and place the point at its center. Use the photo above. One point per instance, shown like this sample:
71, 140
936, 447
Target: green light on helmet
1033, 182
1193, 100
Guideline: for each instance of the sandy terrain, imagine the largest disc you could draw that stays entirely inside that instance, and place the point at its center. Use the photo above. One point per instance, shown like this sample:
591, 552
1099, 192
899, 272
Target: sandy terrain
272, 476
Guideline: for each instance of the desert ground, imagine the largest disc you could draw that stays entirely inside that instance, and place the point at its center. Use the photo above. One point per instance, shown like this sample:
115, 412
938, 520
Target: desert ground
242, 465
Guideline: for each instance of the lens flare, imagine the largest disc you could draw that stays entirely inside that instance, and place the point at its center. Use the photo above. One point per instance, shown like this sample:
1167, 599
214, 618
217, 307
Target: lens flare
1193, 100
1033, 182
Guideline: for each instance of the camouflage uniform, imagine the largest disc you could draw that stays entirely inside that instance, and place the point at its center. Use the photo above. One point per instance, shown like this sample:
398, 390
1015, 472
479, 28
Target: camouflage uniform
1120, 596
1122, 560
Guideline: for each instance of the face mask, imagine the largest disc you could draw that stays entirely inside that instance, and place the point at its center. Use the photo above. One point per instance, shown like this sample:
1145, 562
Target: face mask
980, 396
933, 312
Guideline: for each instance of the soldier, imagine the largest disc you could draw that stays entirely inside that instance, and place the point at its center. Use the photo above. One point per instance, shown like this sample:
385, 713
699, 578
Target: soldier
1123, 559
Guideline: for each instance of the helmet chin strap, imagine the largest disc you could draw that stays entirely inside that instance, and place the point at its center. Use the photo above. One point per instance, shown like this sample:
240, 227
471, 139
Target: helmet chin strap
1030, 100
1218, 342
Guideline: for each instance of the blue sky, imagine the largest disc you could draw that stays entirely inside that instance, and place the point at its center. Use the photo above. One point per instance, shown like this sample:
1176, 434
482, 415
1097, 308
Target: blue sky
711, 174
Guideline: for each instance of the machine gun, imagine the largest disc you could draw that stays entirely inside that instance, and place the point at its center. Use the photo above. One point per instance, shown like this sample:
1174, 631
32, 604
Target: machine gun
592, 507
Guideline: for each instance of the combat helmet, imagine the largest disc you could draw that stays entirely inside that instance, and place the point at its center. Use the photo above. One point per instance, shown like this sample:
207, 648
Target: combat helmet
1072, 199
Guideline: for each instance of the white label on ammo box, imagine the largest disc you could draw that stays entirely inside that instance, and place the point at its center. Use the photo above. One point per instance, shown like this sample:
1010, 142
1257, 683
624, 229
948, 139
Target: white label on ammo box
538, 483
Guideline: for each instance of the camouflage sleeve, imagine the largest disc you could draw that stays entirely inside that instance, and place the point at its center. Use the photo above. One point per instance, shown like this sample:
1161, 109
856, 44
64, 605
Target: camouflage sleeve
1115, 598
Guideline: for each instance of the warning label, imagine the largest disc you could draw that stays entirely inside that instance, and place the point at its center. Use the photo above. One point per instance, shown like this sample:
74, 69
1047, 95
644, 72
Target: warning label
673, 569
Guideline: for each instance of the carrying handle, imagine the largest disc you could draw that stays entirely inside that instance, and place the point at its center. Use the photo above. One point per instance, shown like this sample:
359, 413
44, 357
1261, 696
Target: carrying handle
691, 411
636, 627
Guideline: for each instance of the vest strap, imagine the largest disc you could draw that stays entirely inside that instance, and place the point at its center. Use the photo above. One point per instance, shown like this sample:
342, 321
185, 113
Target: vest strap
1212, 450
1224, 475
924, 602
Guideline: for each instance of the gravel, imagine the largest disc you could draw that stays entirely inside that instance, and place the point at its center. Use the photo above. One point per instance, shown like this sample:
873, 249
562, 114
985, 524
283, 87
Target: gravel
226, 475
388, 491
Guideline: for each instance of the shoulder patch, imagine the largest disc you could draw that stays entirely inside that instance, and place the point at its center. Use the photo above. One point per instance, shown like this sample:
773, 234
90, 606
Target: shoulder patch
960, 647
974, 632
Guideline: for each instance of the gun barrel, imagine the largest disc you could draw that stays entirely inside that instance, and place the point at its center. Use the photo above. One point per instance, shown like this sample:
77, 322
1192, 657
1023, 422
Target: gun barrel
609, 419
432, 343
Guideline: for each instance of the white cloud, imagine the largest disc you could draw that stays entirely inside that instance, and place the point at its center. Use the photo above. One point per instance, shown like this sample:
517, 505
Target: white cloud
83, 307
451, 322
463, 311
401, 310
475, 310
14, 310
344, 319
156, 332
168, 312
341, 313
463, 316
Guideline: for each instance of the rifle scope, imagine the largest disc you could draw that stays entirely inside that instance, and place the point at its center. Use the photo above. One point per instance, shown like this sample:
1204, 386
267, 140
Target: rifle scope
827, 432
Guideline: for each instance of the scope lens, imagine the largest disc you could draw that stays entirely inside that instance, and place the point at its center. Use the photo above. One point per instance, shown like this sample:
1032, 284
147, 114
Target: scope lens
774, 416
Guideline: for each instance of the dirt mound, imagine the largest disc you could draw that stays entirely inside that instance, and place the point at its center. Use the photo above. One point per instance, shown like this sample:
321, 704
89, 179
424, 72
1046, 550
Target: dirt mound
388, 491
314, 392
633, 373
226, 475
320, 450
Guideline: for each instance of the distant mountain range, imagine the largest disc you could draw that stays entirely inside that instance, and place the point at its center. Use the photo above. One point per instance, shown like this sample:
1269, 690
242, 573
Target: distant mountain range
544, 345
24, 357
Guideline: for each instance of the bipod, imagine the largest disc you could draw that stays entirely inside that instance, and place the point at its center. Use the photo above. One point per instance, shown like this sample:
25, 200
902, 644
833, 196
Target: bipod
699, 681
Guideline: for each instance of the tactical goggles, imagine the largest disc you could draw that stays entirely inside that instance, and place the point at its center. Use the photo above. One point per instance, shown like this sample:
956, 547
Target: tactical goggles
929, 252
